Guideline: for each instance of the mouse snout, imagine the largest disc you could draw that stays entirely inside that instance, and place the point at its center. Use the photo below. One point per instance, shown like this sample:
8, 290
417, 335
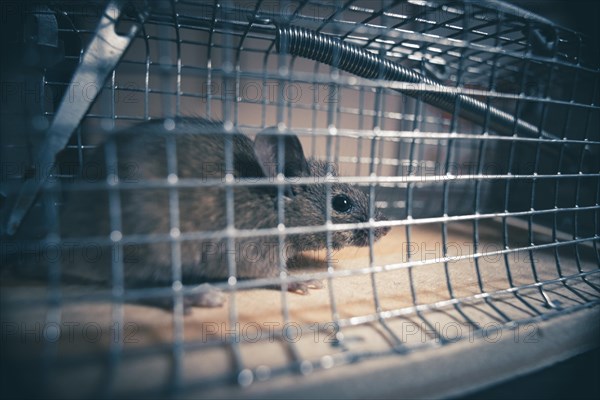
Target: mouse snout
382, 231
361, 236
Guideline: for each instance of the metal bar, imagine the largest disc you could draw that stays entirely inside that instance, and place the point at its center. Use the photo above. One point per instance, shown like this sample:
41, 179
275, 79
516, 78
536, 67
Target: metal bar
100, 58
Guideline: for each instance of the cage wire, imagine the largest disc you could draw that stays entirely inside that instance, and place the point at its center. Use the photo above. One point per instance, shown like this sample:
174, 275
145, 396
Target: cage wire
473, 126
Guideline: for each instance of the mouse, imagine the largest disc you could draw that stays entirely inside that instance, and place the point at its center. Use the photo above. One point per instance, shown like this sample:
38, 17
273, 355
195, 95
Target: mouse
155, 210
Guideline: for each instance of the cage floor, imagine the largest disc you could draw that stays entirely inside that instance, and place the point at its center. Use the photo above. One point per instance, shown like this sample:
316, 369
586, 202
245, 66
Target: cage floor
370, 326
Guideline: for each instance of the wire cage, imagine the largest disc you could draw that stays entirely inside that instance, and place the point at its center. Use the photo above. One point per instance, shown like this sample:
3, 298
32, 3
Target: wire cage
472, 127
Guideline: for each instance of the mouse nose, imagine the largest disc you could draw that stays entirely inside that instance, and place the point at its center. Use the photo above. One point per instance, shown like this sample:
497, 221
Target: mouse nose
379, 232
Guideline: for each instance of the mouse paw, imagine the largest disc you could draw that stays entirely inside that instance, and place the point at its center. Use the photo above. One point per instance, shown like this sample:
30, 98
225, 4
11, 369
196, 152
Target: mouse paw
208, 297
301, 287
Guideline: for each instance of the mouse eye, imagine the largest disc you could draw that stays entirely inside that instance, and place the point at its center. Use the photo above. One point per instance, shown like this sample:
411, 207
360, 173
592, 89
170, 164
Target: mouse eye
341, 203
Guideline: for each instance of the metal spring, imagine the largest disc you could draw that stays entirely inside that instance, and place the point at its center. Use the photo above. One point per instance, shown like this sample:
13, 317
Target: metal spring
331, 50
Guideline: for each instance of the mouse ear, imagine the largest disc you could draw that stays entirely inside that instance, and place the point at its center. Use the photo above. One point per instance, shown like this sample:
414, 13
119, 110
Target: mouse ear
266, 147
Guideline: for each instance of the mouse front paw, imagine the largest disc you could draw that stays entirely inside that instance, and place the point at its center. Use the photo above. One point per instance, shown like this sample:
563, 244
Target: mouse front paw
208, 296
302, 287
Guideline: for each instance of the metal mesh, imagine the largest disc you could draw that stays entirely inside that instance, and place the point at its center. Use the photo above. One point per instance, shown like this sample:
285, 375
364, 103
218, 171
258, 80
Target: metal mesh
507, 216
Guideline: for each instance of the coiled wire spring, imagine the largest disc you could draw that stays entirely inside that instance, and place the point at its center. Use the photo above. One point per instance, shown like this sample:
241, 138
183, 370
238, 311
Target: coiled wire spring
331, 50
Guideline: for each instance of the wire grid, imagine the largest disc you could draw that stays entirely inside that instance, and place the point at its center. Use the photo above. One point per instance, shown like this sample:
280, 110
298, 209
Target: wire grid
422, 166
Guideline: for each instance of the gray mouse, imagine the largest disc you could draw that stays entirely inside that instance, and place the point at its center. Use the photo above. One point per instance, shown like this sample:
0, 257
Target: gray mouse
198, 147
